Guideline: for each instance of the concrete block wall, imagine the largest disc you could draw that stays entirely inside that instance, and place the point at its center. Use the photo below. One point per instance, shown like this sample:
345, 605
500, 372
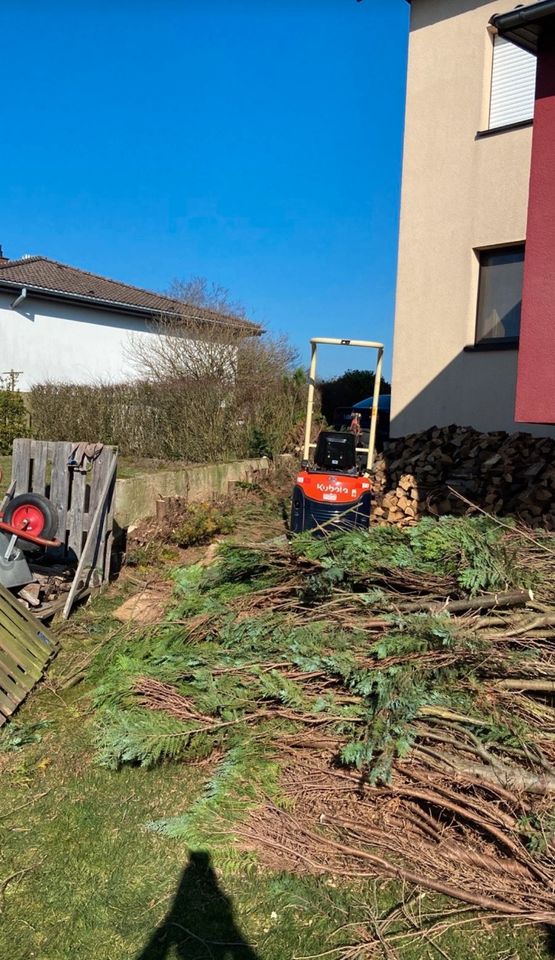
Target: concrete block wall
136, 497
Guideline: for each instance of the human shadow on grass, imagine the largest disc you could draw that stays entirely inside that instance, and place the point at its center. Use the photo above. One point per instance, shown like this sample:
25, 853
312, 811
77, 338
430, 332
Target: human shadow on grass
200, 924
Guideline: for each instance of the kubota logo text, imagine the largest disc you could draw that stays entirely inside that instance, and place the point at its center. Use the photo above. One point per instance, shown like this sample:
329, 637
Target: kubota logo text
331, 488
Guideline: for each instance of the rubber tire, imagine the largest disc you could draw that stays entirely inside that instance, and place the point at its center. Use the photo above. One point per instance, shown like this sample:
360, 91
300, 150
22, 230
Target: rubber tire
45, 506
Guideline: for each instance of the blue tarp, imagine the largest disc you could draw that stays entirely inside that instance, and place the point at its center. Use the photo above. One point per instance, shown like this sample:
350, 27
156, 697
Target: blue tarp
384, 403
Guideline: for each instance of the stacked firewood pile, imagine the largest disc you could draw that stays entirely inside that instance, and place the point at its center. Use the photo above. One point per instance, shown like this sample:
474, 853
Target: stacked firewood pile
506, 475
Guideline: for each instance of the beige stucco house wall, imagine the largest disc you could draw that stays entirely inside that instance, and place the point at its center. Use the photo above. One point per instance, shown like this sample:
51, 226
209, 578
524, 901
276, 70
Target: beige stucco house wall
459, 193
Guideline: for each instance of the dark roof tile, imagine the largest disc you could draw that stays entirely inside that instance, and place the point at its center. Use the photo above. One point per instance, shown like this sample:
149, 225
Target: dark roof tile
42, 275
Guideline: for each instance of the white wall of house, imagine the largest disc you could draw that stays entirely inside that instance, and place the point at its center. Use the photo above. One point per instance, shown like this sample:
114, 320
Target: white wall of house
56, 341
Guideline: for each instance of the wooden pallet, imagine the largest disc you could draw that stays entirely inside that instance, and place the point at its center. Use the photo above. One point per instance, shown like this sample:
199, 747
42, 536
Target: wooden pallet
26, 646
41, 466
83, 499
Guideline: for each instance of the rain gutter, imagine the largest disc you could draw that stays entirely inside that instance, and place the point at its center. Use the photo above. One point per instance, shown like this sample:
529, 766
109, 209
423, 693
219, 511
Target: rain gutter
524, 25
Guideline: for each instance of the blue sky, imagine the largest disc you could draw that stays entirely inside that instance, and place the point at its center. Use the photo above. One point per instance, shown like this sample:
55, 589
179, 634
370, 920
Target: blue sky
253, 142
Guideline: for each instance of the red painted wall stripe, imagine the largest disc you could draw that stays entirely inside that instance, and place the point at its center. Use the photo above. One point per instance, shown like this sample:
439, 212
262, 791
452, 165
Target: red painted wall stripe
535, 394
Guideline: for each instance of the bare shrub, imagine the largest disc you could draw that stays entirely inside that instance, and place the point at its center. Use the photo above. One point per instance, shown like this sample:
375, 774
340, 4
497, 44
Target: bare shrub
239, 393
201, 401
200, 292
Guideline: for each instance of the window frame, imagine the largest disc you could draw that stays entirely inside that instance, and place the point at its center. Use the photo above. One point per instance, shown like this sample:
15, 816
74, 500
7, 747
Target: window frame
512, 124
494, 343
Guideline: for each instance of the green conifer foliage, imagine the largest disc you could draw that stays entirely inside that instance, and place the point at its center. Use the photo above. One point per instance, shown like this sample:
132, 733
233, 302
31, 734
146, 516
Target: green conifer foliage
245, 672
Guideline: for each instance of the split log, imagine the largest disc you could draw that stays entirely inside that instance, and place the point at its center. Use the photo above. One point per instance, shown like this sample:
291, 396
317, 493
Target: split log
514, 779
509, 598
527, 685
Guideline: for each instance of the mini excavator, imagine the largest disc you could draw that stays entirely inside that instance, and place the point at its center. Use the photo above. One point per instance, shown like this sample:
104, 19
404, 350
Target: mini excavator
333, 490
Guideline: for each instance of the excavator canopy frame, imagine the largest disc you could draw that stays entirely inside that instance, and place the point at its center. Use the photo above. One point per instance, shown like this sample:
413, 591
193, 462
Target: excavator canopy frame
328, 341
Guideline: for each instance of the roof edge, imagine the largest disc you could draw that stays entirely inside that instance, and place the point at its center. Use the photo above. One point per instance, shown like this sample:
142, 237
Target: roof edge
518, 25
174, 307
131, 309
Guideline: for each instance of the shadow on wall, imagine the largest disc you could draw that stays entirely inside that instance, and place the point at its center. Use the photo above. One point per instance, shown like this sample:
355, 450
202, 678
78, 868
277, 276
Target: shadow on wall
200, 922
458, 434
477, 389
425, 14
33, 307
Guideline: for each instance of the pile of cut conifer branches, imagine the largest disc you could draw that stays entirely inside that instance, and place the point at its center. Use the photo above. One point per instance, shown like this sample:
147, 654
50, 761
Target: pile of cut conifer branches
378, 703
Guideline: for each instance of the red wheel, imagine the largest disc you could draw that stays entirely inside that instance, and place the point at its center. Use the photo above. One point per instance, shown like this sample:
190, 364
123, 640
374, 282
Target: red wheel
30, 518
33, 513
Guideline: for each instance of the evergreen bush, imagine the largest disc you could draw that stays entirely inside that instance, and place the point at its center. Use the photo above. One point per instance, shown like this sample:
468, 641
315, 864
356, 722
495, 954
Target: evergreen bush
13, 415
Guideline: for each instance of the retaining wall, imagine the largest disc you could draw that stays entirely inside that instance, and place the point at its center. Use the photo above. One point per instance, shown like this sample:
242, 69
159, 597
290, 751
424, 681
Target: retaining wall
136, 497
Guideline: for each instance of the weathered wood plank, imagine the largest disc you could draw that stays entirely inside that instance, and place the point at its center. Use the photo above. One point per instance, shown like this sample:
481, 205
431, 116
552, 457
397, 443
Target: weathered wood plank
14, 627
17, 622
76, 511
38, 451
91, 549
15, 677
7, 706
19, 663
30, 653
107, 555
8, 702
23, 627
109, 526
100, 466
12, 686
21, 465
100, 469
59, 486
103, 547
21, 648
10, 652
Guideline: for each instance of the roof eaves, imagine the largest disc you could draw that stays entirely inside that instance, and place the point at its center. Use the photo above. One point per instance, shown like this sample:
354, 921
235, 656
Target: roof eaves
49, 293
23, 261
164, 304
524, 25
52, 293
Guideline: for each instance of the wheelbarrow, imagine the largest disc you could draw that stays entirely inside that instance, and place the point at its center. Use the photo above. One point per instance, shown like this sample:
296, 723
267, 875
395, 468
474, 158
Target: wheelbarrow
28, 523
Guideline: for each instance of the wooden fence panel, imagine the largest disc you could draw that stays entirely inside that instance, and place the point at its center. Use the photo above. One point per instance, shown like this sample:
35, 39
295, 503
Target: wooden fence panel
42, 467
25, 649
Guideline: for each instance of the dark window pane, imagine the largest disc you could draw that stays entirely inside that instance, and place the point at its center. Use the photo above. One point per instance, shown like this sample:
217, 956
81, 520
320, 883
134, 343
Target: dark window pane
500, 293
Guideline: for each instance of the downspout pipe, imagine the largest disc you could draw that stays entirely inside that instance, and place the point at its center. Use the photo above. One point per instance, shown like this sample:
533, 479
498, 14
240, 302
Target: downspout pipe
22, 296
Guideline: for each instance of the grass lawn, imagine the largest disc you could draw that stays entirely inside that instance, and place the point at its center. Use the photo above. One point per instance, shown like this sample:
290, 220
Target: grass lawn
82, 877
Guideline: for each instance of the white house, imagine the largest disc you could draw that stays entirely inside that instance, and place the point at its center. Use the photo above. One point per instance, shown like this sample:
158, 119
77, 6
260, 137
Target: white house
60, 323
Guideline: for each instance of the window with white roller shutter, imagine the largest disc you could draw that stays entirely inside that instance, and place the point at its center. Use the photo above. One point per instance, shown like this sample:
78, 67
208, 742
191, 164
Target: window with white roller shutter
513, 84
